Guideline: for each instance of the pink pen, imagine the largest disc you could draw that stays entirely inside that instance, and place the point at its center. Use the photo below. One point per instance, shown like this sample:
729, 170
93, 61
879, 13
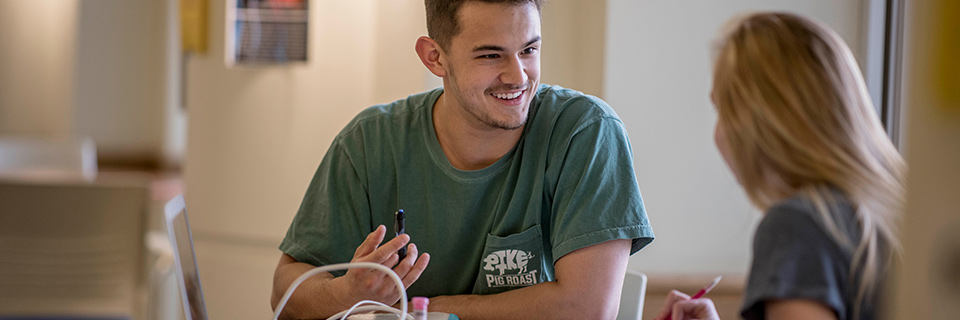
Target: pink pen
420, 308
700, 293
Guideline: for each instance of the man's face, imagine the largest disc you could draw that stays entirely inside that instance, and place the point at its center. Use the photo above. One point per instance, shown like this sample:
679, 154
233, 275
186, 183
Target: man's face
493, 64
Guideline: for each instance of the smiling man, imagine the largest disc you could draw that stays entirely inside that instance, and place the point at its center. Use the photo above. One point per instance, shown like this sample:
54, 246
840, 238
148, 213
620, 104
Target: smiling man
521, 198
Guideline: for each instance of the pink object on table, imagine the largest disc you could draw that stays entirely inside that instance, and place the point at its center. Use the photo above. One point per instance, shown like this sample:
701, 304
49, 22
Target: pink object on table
420, 308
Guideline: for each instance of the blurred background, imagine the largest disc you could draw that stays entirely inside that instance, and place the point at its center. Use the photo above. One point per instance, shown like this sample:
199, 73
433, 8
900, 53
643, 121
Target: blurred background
119, 105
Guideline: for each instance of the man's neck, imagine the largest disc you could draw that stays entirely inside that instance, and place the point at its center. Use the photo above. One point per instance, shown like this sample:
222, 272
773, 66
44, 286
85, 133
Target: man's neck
467, 143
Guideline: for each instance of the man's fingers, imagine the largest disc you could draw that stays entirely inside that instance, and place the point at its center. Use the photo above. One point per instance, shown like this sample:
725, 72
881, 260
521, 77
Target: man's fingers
405, 264
414, 273
381, 254
391, 261
370, 243
377, 283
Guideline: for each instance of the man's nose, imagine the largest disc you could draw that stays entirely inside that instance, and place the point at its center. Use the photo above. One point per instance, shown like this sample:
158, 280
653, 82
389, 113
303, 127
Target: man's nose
514, 72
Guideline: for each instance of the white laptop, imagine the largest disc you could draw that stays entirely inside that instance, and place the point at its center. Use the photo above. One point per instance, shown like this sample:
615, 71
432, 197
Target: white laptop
181, 241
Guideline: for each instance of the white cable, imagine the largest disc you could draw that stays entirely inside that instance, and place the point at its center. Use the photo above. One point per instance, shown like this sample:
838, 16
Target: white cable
346, 314
343, 266
359, 307
362, 309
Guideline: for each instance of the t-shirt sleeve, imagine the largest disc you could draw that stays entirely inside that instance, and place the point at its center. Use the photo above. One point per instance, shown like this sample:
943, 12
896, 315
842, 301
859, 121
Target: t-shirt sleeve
597, 197
794, 258
334, 215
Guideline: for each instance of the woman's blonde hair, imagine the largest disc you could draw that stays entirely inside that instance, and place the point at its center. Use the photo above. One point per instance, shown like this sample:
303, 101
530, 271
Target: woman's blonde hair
798, 120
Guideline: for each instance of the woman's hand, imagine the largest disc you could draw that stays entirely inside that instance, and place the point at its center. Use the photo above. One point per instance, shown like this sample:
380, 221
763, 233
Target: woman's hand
679, 306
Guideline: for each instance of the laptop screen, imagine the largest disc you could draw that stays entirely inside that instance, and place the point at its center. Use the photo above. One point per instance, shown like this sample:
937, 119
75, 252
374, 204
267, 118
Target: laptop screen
181, 241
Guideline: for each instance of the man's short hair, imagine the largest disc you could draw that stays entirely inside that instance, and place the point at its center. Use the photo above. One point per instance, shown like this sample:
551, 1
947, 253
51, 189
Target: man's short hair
442, 17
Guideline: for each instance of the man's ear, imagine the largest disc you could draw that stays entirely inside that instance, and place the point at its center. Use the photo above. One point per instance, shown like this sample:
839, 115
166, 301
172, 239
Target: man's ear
431, 54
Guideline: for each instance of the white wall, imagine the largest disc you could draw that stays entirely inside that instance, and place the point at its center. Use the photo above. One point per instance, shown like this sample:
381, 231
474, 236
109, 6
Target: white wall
658, 73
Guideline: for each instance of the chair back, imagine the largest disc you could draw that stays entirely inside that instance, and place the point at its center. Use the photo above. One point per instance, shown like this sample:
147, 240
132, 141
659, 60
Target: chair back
631, 298
41, 159
71, 250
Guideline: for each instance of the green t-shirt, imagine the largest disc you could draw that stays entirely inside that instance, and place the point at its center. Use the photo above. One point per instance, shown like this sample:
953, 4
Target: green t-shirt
568, 183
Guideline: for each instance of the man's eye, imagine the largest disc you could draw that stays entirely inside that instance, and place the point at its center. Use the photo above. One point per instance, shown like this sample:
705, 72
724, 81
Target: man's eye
489, 56
529, 50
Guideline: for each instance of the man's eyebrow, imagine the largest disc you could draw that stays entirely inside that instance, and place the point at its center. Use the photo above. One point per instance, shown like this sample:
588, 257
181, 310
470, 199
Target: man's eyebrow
532, 41
499, 48
488, 47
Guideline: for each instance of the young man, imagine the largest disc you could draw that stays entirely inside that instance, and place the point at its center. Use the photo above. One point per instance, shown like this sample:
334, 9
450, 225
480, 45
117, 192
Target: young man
524, 195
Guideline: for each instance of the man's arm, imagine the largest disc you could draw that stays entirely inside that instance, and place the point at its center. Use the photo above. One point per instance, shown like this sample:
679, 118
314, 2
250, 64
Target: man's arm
323, 295
301, 304
588, 286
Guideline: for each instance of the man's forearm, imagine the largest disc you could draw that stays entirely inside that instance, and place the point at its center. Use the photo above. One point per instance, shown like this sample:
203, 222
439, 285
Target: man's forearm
548, 300
314, 298
324, 295
587, 287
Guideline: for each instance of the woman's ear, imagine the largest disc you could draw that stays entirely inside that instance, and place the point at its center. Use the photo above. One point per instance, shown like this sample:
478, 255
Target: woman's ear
432, 56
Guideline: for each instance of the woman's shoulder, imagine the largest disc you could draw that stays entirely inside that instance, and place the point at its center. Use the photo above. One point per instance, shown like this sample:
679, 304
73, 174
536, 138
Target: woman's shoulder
794, 214
800, 212
795, 257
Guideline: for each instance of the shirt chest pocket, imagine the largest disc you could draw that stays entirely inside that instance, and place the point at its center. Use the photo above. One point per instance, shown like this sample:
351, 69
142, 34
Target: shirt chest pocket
511, 262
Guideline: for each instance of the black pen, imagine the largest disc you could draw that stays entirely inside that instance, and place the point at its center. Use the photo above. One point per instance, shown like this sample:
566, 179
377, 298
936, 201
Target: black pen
398, 229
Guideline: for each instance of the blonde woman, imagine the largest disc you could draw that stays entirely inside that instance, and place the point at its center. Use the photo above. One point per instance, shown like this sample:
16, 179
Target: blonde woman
797, 128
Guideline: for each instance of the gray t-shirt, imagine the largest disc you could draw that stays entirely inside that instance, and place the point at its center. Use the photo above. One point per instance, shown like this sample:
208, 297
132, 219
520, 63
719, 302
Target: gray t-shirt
794, 257
568, 183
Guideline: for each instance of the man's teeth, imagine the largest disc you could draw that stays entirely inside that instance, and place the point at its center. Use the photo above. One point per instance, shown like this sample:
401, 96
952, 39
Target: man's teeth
507, 96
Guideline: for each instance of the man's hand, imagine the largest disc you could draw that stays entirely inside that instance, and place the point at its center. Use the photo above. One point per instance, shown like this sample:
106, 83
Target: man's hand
323, 295
368, 284
679, 306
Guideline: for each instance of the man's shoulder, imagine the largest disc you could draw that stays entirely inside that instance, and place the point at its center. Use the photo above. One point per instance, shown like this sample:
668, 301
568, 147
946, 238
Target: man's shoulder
557, 99
392, 114
567, 107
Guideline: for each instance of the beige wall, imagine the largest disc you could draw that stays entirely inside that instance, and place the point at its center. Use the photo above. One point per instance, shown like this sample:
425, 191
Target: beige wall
119, 92
257, 133
574, 36
928, 282
37, 67
399, 72
85, 68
